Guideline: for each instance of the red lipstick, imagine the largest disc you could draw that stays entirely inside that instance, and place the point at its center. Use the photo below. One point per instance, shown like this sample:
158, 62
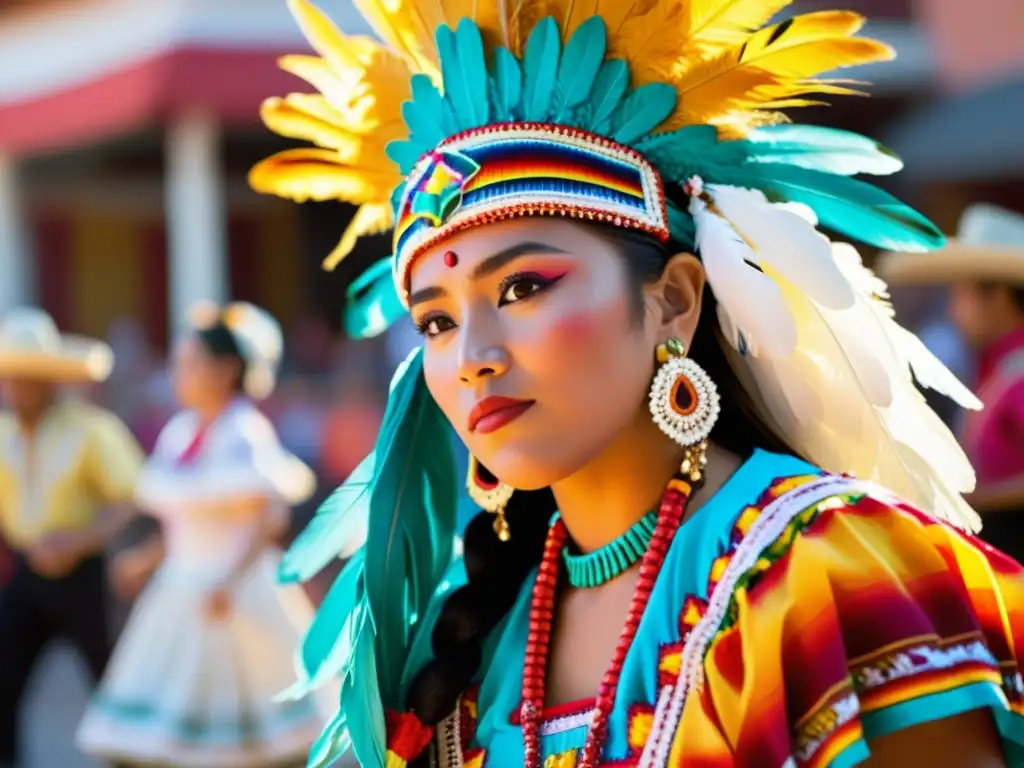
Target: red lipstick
493, 413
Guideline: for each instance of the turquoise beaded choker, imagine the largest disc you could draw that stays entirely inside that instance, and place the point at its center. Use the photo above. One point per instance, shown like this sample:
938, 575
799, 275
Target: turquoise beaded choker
604, 564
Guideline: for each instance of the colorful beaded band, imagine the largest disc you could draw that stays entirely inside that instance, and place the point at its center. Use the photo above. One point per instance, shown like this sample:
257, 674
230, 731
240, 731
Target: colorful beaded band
522, 169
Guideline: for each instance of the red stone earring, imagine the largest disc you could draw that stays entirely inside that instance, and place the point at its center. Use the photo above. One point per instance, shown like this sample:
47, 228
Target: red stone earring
685, 404
490, 494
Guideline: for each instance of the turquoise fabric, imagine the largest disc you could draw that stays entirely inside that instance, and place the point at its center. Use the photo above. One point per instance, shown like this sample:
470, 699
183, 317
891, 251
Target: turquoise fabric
703, 538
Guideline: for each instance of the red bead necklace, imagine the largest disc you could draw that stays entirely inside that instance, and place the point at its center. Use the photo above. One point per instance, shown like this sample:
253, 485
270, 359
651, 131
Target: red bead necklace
542, 609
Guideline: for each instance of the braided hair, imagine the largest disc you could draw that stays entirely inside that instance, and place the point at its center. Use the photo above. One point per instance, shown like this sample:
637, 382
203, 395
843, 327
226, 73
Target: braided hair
496, 570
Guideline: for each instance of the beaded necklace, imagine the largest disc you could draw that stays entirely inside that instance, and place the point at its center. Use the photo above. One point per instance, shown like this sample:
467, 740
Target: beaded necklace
542, 605
604, 564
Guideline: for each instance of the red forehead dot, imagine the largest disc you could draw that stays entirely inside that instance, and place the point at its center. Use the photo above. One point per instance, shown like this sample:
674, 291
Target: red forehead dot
450, 259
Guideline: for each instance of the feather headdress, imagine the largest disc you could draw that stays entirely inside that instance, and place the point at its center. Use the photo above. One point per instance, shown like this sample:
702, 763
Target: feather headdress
468, 111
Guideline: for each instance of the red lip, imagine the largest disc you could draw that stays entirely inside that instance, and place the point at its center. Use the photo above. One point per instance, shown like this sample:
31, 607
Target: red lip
493, 413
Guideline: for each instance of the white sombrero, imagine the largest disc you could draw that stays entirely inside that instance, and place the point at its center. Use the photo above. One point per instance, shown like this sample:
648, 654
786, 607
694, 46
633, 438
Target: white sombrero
989, 247
31, 347
258, 336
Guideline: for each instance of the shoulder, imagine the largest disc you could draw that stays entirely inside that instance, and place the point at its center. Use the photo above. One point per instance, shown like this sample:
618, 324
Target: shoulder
246, 422
864, 616
99, 423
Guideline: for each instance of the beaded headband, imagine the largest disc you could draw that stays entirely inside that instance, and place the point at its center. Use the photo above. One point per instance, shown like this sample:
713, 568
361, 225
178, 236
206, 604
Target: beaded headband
519, 169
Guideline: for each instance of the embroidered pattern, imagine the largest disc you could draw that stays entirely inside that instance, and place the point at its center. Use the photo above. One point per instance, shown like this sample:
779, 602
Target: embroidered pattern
520, 169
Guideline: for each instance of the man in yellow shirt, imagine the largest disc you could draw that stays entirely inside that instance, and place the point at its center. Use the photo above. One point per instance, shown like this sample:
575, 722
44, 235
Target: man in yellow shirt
67, 475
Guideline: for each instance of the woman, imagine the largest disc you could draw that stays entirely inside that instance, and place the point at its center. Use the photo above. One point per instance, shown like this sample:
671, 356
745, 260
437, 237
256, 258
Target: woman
606, 237
207, 648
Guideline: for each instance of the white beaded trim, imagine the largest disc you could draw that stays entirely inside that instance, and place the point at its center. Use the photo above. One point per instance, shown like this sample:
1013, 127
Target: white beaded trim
766, 529
694, 427
558, 725
449, 739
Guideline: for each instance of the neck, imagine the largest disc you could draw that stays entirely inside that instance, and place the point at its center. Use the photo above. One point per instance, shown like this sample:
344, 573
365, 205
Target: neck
29, 420
604, 499
209, 411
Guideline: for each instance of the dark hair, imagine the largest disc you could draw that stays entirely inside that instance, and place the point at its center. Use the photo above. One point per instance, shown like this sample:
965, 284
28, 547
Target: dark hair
496, 570
221, 343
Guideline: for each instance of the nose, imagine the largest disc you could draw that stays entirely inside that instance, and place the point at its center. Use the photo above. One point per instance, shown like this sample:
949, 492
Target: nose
478, 364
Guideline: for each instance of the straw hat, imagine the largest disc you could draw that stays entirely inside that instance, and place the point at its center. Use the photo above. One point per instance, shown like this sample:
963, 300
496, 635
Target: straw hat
31, 347
258, 336
989, 247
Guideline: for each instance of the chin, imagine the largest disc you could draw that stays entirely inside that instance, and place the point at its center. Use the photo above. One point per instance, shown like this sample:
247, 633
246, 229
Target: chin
528, 470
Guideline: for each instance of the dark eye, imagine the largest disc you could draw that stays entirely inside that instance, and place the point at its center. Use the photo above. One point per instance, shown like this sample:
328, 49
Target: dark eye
521, 289
434, 325
522, 286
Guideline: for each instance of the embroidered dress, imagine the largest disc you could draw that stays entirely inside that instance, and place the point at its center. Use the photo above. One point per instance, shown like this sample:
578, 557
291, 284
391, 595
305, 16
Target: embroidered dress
863, 618
181, 689
659, 118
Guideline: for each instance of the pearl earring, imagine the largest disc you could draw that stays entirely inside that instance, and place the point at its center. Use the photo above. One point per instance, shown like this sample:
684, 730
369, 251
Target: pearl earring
685, 404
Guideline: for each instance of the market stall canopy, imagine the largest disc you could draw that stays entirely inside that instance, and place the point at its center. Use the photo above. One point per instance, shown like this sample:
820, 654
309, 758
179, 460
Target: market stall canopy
74, 73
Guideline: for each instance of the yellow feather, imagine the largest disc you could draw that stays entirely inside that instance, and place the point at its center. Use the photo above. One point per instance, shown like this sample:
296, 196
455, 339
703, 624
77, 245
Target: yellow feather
775, 65
287, 119
401, 25
711, 25
324, 36
370, 219
318, 174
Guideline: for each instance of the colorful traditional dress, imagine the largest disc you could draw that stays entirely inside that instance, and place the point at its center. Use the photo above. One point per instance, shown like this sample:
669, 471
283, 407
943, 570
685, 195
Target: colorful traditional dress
860, 618
791, 620
182, 689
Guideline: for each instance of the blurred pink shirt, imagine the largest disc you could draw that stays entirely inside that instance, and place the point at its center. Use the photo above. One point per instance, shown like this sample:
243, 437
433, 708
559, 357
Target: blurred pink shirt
994, 437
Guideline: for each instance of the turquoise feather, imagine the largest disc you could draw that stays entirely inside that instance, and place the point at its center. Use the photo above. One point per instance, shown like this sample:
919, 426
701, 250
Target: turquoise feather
332, 743
579, 65
540, 70
852, 207
396, 194
398, 514
506, 86
371, 302
610, 86
473, 69
464, 71
424, 115
326, 650
364, 714
642, 111
404, 154
821, 149
340, 521
682, 226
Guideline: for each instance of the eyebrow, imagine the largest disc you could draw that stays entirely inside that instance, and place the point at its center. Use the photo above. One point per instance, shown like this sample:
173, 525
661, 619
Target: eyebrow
489, 266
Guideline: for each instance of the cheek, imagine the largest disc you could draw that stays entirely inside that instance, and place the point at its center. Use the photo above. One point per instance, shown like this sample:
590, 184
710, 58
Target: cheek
442, 379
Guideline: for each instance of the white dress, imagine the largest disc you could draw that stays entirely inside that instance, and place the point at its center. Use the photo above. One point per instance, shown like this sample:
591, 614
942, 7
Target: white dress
183, 690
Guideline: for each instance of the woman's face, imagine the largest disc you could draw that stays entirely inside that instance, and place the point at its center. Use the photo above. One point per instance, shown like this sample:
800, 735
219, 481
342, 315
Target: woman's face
531, 346
199, 378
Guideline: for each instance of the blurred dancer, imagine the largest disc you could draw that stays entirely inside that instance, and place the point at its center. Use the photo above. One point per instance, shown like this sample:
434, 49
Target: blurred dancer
66, 472
210, 641
984, 269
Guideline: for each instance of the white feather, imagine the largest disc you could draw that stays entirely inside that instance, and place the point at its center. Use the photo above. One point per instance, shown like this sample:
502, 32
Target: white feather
817, 399
758, 321
929, 371
787, 242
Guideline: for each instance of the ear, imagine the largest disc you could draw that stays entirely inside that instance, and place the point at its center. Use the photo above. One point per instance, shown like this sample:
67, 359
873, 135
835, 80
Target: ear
676, 298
